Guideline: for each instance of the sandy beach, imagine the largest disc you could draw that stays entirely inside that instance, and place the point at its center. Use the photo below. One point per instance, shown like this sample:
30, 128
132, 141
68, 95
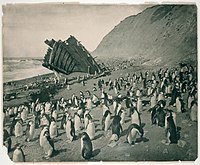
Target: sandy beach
150, 148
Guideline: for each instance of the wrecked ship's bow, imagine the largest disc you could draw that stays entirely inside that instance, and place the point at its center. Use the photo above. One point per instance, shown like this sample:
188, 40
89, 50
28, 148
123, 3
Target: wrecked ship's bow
69, 56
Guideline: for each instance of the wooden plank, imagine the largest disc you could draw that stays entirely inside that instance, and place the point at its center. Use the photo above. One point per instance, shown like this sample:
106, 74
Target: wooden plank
67, 63
57, 53
59, 69
75, 55
71, 66
66, 59
81, 60
60, 57
52, 55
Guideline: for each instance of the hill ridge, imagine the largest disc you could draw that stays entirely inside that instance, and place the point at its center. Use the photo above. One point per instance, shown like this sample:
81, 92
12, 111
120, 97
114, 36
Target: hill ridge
159, 34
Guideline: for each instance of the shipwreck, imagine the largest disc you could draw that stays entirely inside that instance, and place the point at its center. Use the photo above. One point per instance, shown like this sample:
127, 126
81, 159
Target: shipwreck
69, 56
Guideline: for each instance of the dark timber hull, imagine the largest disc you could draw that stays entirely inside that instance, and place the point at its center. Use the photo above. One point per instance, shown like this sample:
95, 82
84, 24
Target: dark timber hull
69, 56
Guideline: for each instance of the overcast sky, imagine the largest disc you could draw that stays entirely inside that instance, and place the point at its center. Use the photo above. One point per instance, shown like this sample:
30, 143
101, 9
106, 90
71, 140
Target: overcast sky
25, 27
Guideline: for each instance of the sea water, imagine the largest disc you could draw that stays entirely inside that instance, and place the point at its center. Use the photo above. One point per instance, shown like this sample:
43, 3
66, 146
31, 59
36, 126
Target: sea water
18, 68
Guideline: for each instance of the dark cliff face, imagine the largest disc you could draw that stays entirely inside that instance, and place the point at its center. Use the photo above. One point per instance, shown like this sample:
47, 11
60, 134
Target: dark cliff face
159, 35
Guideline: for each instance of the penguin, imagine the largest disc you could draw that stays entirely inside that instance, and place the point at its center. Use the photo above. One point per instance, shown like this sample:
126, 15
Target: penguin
37, 117
134, 84
139, 105
63, 121
47, 145
193, 111
90, 128
45, 119
183, 87
174, 95
105, 122
77, 122
174, 117
178, 104
138, 93
41, 108
58, 108
18, 128
95, 100
32, 107
149, 91
7, 140
163, 85
54, 114
15, 111
30, 131
47, 107
89, 103
75, 102
135, 116
189, 100
24, 114
116, 128
12, 126
7, 117
118, 108
86, 118
110, 99
132, 132
128, 100
122, 114
86, 146
70, 130
114, 106
11, 112
161, 96
18, 154
160, 114
80, 112
153, 100
140, 79
41, 139
171, 131
167, 114
115, 90
154, 114
53, 131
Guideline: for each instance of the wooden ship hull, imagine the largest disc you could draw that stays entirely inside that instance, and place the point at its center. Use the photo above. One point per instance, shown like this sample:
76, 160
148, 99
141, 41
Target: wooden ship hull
69, 56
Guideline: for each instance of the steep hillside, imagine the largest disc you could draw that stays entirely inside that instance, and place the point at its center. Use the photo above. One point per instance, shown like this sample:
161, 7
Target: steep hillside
158, 35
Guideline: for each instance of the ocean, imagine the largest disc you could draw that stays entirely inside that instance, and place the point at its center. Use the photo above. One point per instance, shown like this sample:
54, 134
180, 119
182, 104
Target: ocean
18, 68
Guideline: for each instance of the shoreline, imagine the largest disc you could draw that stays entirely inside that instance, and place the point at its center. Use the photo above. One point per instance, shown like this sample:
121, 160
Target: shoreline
28, 79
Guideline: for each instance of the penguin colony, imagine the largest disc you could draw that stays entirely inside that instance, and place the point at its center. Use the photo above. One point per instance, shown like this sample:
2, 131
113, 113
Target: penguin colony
163, 91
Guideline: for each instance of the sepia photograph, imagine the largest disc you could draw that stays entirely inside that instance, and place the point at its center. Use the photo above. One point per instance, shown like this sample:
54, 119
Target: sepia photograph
99, 82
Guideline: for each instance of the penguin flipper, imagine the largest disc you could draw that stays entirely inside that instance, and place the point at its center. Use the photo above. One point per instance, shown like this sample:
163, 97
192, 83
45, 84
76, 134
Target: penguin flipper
23, 155
83, 152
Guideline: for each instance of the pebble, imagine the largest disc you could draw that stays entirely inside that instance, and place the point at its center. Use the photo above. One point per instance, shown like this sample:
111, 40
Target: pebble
163, 141
181, 143
165, 151
184, 121
127, 154
112, 144
186, 135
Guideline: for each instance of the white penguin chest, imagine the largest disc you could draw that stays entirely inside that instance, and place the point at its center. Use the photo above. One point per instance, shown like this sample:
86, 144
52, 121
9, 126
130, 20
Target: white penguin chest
135, 118
17, 156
